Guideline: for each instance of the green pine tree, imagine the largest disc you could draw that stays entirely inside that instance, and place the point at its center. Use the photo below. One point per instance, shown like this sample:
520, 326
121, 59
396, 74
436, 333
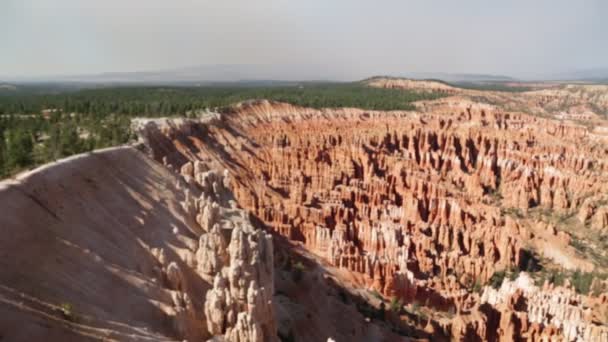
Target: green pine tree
2, 153
19, 149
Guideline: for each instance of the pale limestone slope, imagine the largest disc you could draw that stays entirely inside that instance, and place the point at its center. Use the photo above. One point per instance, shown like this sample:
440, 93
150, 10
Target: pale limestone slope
81, 232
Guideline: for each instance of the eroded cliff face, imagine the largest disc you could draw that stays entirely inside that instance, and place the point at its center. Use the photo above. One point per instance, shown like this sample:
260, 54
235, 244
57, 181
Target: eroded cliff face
528, 311
423, 206
114, 246
232, 255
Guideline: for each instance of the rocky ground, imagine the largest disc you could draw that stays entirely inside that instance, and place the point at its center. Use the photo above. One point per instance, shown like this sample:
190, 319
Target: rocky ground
479, 216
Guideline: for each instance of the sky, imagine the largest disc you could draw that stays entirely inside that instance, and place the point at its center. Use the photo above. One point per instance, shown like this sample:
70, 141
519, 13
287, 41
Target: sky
312, 39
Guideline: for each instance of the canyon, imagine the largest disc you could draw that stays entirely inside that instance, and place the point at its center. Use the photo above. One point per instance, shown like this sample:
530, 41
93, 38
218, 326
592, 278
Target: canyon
267, 221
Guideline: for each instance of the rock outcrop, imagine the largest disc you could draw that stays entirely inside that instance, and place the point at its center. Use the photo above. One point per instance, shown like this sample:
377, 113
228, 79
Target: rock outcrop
231, 255
130, 250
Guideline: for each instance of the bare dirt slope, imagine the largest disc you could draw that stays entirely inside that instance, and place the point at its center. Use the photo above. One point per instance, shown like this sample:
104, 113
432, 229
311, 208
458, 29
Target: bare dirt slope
79, 233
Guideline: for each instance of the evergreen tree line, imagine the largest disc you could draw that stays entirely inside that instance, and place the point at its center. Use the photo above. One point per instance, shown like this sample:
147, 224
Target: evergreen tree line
161, 101
34, 140
83, 120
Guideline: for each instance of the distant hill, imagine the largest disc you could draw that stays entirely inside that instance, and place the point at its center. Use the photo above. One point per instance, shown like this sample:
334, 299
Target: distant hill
449, 77
410, 84
595, 75
7, 88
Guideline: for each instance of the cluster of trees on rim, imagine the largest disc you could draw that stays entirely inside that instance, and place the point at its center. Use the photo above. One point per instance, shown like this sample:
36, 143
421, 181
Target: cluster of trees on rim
30, 140
38, 126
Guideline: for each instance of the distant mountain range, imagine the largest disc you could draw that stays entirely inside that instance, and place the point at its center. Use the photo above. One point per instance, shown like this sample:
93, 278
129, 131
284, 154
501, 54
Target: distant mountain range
593, 75
205, 74
242, 73
249, 74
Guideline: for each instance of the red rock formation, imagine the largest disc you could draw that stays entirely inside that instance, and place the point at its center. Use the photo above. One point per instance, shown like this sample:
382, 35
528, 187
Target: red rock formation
537, 314
422, 205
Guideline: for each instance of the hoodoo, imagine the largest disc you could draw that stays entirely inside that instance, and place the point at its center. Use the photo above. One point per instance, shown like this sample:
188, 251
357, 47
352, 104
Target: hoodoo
419, 207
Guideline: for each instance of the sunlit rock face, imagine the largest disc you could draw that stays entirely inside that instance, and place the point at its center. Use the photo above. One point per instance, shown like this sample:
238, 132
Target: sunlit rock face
115, 246
423, 205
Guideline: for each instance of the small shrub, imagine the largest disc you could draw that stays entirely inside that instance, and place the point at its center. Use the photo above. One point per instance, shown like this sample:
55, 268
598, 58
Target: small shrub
582, 281
557, 278
513, 275
343, 297
497, 279
476, 287
377, 295
297, 271
66, 311
396, 305
578, 245
515, 212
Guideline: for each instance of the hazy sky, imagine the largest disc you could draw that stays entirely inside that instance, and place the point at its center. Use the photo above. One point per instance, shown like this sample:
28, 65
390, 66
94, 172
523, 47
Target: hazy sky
322, 38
